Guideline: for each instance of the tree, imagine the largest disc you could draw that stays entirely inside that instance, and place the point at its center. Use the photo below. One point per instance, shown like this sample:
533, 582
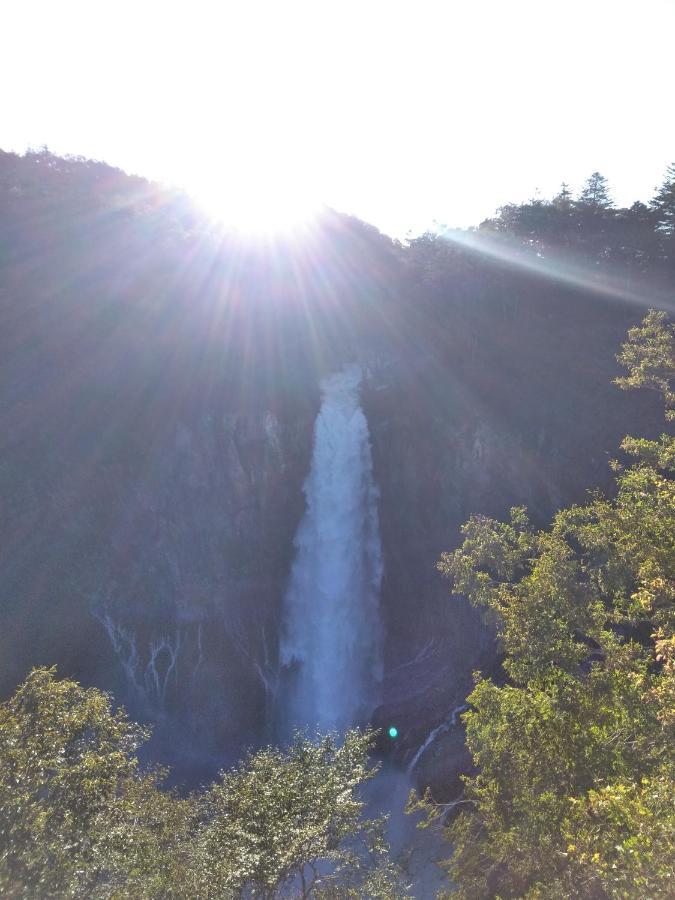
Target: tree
663, 203
563, 199
596, 192
292, 819
575, 751
649, 356
79, 818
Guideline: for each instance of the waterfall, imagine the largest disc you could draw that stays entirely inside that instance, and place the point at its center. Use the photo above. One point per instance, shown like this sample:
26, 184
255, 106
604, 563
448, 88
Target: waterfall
444, 727
330, 650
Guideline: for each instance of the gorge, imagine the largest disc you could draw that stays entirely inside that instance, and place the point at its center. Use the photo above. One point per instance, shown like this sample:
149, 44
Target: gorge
170, 389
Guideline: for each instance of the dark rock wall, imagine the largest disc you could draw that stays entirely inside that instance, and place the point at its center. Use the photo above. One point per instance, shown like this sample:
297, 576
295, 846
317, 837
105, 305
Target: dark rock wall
157, 569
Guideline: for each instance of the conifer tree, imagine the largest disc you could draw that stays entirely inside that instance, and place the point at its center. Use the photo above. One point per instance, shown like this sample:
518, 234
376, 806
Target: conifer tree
596, 192
664, 202
563, 199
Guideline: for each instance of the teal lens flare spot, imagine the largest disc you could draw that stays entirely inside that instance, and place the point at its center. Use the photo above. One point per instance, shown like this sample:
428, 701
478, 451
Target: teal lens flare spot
393, 732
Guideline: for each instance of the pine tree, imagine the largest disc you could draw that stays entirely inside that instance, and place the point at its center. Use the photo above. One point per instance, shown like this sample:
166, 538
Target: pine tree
596, 192
664, 203
563, 199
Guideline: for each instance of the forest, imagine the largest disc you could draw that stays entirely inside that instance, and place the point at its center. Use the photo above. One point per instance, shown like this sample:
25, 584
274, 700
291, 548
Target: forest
160, 380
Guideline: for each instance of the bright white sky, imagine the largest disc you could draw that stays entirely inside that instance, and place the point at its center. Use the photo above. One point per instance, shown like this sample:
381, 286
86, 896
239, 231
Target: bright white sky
399, 112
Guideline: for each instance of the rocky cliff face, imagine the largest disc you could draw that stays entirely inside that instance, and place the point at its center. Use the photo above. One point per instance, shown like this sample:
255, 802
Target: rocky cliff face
174, 554
195, 568
175, 559
190, 579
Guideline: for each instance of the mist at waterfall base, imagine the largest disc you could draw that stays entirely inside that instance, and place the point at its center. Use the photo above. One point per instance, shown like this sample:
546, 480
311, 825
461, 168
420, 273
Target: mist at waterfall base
331, 643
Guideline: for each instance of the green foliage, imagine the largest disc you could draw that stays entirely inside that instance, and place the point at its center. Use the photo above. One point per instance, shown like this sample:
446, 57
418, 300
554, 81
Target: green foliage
649, 356
575, 753
80, 818
289, 817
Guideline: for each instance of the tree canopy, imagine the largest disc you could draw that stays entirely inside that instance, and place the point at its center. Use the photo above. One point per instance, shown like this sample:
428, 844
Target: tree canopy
575, 747
81, 818
663, 203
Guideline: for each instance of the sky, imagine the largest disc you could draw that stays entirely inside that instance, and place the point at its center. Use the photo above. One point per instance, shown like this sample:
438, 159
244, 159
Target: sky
402, 113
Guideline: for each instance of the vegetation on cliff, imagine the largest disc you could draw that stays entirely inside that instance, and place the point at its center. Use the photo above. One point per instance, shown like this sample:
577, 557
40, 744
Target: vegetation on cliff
81, 818
575, 750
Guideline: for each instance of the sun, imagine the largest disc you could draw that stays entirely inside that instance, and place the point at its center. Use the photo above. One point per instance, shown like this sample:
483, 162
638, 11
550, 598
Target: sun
259, 205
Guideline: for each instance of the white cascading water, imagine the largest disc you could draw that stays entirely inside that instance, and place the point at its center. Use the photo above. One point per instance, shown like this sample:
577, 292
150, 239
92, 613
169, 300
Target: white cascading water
330, 650
444, 727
